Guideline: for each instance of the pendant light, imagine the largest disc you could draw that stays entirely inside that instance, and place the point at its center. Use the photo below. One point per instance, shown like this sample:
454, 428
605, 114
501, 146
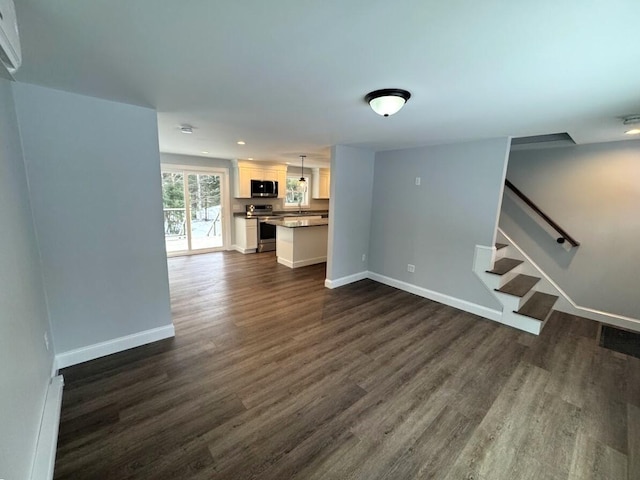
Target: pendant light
302, 183
387, 101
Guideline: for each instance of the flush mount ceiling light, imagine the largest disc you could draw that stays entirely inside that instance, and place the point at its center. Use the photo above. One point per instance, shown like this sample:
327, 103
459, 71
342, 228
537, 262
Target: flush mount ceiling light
387, 101
188, 129
241, 142
632, 120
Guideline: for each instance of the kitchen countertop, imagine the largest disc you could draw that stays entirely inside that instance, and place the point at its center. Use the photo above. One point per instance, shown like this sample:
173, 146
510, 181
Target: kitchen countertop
288, 213
318, 222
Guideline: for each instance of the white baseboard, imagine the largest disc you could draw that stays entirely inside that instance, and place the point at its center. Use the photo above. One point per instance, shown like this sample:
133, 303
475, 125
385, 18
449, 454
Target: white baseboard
243, 250
45, 457
84, 354
458, 303
339, 282
301, 263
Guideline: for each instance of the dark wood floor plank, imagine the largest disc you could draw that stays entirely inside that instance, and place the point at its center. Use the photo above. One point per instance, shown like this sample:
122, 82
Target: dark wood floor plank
272, 376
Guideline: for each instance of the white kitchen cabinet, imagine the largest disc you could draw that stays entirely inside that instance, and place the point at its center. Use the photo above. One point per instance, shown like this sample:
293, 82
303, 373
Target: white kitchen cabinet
320, 183
244, 172
246, 230
270, 174
282, 183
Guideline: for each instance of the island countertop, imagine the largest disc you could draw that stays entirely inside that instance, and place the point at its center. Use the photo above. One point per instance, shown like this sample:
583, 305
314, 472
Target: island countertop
317, 222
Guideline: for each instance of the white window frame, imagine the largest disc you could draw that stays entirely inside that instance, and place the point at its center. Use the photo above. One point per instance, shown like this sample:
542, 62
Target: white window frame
307, 198
224, 202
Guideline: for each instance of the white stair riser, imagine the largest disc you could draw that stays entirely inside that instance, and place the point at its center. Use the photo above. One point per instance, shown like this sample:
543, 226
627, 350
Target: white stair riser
497, 281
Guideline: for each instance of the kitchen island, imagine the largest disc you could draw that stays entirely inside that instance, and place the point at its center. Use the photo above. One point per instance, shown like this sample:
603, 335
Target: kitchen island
301, 242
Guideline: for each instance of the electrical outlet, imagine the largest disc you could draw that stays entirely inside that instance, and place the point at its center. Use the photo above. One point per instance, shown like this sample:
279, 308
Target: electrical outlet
46, 340
417, 180
411, 268
364, 257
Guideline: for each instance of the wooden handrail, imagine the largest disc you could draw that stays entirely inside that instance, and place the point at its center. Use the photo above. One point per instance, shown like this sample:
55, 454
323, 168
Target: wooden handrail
563, 234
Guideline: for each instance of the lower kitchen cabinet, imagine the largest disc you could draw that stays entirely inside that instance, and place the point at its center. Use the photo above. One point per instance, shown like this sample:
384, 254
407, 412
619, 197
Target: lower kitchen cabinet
246, 230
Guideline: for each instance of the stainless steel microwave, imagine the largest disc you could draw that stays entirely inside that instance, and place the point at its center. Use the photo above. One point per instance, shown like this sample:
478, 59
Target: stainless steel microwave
264, 189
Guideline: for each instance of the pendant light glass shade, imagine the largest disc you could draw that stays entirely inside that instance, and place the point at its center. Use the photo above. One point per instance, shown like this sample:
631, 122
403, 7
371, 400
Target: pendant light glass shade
387, 101
302, 183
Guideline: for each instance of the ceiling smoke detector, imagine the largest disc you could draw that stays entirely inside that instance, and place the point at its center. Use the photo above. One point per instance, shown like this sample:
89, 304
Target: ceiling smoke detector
186, 129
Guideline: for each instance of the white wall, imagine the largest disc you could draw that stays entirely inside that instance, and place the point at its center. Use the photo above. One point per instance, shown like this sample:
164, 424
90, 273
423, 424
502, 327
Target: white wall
436, 226
349, 211
194, 161
593, 192
25, 364
94, 175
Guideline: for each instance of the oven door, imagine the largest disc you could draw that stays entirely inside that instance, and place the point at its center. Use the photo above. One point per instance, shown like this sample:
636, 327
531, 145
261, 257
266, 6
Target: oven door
266, 237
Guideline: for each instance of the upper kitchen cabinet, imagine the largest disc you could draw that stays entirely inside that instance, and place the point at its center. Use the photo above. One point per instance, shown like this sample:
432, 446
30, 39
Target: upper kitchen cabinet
244, 172
320, 183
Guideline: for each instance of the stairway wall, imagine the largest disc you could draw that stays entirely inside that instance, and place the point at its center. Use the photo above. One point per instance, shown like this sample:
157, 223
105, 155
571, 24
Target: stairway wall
436, 225
593, 192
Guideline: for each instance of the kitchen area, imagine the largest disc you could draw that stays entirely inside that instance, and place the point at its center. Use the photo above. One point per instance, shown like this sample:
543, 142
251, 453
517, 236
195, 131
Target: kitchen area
281, 208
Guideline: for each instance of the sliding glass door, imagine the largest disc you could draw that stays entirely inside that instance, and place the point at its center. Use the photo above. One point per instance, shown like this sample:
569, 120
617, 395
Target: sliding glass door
193, 211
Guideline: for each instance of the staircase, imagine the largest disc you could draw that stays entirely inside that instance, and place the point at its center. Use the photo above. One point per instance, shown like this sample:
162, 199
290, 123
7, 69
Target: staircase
526, 305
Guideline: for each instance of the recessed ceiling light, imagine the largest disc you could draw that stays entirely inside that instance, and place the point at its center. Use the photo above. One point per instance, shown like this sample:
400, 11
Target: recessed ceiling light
204, 151
186, 128
634, 131
240, 142
250, 158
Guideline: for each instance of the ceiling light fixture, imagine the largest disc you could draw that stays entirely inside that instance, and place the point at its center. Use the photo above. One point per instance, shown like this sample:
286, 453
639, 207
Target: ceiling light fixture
387, 101
241, 142
632, 120
302, 183
204, 151
186, 129
250, 158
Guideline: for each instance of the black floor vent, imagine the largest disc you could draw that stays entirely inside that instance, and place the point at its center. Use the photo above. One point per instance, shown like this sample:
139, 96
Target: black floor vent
621, 341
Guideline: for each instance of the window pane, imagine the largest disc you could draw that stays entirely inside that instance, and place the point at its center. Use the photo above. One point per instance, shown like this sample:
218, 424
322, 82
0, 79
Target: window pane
295, 197
206, 220
174, 212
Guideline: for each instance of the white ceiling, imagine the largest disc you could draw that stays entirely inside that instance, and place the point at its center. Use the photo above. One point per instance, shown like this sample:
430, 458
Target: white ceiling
289, 76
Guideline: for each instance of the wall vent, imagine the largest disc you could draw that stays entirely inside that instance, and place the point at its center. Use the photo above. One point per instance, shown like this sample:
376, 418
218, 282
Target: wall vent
619, 340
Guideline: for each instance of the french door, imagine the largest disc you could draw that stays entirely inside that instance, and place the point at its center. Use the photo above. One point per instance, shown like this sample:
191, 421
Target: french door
194, 210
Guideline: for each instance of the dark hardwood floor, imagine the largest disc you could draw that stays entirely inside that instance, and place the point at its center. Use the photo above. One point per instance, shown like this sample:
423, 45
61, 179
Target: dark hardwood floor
272, 376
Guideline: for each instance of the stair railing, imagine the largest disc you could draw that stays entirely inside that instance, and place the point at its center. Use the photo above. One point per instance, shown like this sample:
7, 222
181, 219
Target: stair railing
564, 236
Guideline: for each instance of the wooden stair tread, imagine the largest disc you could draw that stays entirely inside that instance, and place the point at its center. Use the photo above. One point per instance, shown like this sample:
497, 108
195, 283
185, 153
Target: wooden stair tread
504, 265
500, 246
538, 306
519, 286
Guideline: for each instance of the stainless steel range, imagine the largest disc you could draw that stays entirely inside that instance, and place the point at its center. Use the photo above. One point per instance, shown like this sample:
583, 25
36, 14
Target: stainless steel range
266, 232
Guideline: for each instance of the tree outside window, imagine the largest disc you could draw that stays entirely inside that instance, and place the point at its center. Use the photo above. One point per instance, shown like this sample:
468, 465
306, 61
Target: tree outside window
296, 198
